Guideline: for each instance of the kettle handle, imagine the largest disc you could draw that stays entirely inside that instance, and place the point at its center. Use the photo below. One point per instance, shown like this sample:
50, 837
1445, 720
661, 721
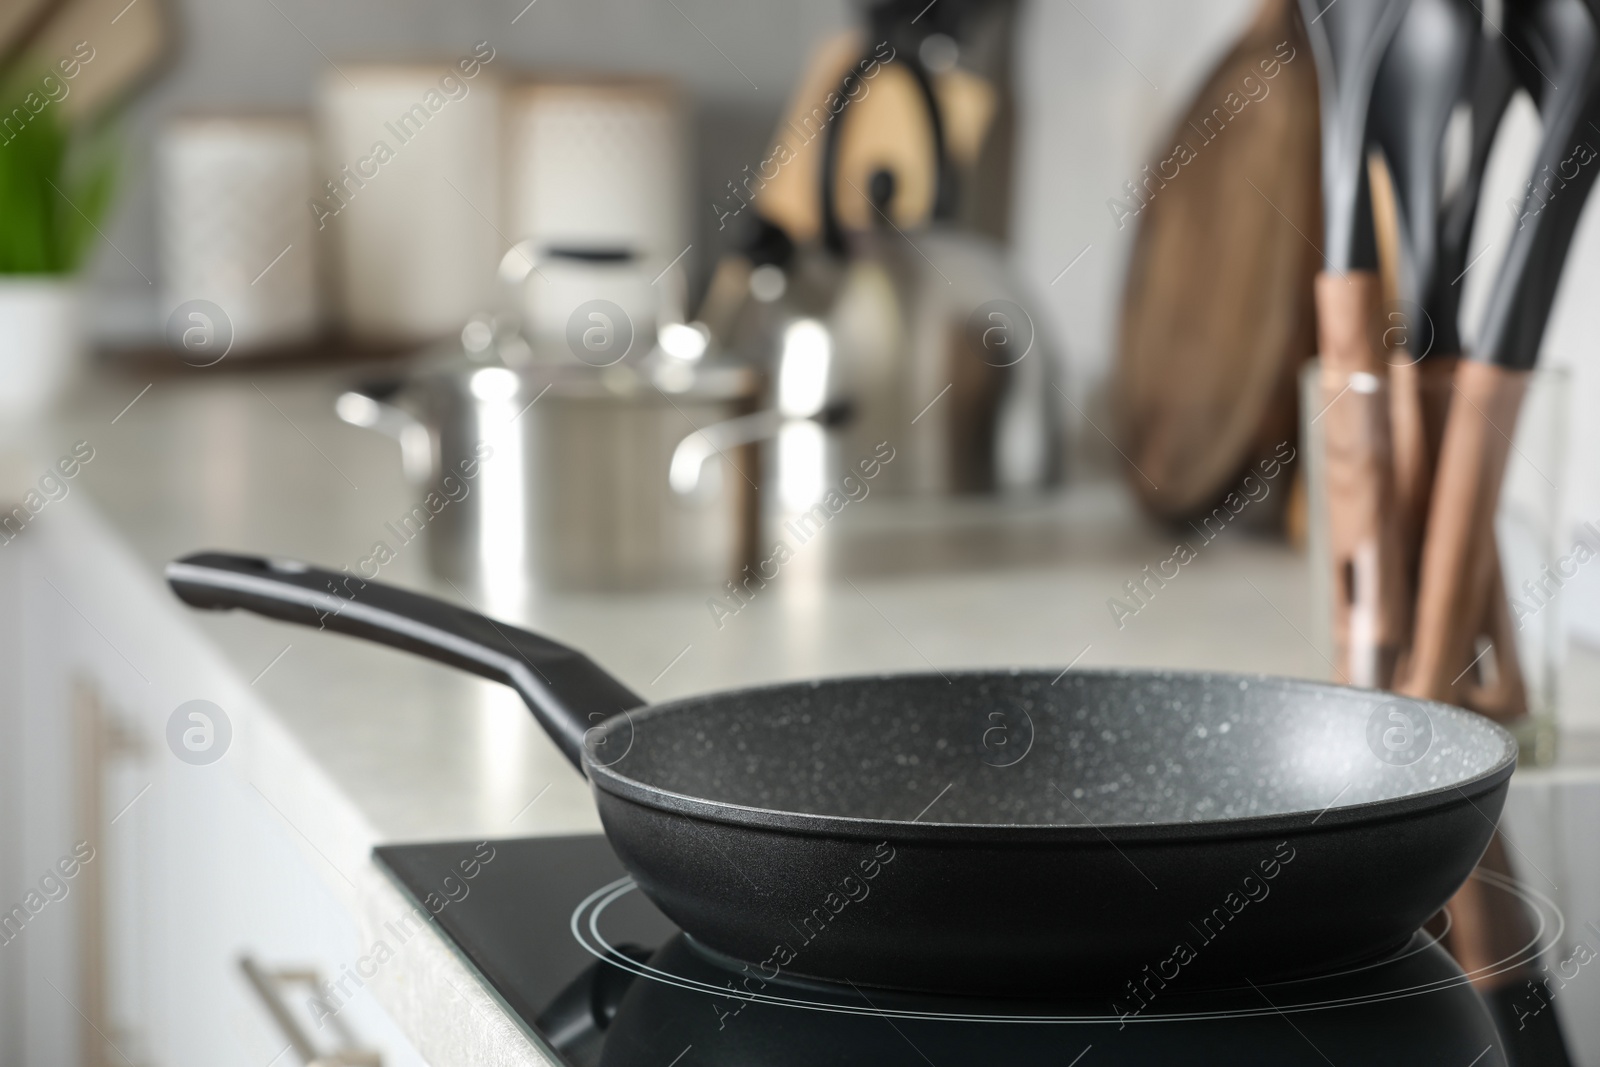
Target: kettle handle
943, 197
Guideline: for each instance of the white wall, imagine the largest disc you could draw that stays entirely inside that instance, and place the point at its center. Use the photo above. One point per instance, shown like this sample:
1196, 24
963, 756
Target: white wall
1095, 108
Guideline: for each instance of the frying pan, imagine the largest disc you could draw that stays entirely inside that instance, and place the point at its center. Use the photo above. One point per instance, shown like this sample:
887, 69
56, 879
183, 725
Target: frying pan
874, 830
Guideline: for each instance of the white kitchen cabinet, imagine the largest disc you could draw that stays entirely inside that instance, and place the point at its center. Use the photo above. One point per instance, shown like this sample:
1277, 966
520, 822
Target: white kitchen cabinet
193, 867
12, 857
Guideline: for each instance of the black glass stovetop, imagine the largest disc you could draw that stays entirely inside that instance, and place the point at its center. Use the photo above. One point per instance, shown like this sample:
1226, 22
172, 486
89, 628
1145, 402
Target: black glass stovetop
600, 976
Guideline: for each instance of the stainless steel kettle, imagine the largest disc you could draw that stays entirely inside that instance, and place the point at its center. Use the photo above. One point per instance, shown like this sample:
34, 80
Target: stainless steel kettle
919, 336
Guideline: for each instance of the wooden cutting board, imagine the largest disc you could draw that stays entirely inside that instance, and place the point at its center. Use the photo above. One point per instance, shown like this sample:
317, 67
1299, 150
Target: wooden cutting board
885, 128
126, 41
1217, 312
20, 20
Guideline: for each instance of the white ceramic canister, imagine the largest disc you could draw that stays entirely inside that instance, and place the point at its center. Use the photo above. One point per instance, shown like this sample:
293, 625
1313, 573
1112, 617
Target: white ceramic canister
408, 189
236, 230
598, 164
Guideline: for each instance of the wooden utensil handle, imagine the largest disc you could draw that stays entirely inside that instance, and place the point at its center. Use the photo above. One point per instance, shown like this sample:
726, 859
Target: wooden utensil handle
1460, 595
1453, 589
1420, 393
1419, 403
1370, 603
1347, 321
1506, 699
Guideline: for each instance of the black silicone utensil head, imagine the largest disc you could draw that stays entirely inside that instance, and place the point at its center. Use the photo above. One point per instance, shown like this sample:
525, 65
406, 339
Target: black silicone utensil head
1348, 39
1489, 88
1416, 88
1555, 52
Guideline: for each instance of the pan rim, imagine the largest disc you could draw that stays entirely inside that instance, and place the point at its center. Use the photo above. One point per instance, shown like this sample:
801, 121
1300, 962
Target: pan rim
607, 779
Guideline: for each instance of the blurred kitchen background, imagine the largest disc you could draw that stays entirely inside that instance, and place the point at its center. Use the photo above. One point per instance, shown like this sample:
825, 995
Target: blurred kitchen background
634, 307
685, 266
1092, 89
246, 58
586, 136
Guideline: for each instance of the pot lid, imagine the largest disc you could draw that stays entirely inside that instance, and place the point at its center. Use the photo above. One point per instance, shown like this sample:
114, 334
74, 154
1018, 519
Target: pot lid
669, 369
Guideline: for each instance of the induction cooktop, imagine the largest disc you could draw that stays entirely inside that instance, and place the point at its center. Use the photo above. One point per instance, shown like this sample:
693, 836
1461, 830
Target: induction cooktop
598, 975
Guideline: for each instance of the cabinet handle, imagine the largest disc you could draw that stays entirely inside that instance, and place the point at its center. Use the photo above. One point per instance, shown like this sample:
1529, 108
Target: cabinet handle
267, 984
101, 738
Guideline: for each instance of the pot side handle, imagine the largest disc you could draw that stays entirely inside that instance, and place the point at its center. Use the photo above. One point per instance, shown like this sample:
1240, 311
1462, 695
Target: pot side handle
368, 406
567, 692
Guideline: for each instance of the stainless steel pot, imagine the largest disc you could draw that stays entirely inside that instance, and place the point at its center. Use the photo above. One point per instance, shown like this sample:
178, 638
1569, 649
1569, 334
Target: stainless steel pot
557, 475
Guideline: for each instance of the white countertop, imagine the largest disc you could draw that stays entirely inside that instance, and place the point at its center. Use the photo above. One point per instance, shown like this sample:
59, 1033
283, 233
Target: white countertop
258, 463
255, 461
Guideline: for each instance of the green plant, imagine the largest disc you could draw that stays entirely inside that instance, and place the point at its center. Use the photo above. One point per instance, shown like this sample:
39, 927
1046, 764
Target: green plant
55, 188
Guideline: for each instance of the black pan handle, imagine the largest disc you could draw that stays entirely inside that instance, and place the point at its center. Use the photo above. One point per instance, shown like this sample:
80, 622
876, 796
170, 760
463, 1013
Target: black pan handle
564, 689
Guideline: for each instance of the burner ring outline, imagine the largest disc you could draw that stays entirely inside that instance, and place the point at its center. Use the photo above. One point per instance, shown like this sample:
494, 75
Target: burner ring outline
589, 911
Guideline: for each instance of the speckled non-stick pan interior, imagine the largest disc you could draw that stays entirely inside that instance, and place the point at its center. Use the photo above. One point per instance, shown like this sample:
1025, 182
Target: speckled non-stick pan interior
1103, 747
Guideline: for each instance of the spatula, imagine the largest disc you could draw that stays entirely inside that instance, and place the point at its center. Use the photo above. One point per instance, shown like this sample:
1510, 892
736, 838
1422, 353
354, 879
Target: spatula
1556, 53
1414, 92
1506, 698
1416, 89
1418, 85
1349, 38
1487, 95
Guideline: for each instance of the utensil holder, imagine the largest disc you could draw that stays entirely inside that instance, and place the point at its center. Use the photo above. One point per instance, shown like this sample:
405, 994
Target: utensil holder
1538, 551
